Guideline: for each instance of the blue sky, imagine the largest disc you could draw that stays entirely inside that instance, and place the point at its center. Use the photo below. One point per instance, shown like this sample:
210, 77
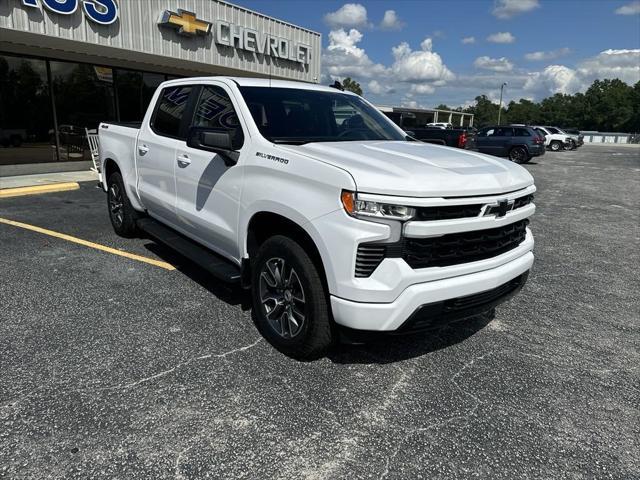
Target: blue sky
542, 47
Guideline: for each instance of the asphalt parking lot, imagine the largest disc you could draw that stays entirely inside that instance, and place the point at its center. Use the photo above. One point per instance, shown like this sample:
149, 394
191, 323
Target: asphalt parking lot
114, 368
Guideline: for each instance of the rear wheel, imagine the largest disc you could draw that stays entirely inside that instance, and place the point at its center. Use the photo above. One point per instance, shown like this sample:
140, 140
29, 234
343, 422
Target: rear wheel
122, 215
555, 146
289, 299
519, 155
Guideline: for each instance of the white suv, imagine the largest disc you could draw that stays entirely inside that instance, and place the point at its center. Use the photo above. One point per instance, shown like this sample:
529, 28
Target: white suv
556, 139
331, 220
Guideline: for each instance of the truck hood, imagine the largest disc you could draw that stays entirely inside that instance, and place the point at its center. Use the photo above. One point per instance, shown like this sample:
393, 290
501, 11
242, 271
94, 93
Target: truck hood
416, 169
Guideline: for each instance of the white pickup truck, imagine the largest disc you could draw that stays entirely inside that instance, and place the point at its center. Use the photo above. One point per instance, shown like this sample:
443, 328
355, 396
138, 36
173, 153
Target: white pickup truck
313, 199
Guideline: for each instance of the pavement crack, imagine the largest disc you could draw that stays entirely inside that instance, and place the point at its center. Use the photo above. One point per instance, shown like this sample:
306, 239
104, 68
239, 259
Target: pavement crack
181, 365
477, 402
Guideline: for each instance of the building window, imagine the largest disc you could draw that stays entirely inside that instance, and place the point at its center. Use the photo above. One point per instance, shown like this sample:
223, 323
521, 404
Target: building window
26, 121
135, 90
84, 97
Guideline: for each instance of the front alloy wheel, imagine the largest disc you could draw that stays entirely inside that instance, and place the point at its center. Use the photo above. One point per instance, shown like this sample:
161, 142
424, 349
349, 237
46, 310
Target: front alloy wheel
290, 301
282, 297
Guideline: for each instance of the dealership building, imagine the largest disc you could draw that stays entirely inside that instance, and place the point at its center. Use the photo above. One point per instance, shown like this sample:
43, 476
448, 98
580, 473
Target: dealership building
66, 65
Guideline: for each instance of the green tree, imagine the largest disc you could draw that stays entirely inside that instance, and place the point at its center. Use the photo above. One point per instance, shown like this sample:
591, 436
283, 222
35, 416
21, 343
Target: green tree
486, 112
524, 111
352, 86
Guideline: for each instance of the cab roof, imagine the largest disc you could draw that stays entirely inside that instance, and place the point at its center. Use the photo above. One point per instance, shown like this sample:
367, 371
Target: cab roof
260, 82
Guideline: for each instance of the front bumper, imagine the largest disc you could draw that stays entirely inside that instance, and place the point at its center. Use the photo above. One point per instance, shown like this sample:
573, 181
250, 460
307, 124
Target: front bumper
393, 315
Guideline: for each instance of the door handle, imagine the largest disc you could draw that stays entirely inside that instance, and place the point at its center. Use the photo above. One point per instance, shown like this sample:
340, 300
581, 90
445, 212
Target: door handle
143, 149
184, 160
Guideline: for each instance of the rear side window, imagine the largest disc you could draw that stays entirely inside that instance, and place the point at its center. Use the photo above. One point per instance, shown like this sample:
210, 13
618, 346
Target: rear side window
503, 132
215, 111
172, 104
522, 132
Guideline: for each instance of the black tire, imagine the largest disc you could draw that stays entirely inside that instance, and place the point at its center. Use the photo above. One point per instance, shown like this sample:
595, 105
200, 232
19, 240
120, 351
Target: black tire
519, 155
298, 322
122, 215
555, 146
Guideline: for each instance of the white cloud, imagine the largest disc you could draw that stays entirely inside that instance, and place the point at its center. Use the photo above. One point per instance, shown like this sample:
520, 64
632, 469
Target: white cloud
501, 64
501, 37
349, 15
553, 79
344, 58
550, 55
422, 89
391, 21
419, 66
379, 88
509, 8
622, 64
632, 8
468, 40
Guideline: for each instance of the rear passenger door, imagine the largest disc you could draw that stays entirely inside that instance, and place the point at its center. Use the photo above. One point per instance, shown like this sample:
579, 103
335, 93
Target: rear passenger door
155, 152
208, 190
483, 140
502, 141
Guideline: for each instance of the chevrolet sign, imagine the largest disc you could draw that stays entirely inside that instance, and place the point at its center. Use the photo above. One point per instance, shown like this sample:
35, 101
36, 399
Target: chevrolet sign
235, 36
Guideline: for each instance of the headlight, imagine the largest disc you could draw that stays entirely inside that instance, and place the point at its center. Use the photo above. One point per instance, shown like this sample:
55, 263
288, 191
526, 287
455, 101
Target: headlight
365, 208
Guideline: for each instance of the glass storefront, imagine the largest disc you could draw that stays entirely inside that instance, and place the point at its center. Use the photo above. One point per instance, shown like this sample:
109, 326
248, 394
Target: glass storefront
46, 106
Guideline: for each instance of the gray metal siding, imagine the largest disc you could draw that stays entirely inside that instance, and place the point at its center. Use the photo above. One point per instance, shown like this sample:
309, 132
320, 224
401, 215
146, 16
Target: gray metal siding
137, 31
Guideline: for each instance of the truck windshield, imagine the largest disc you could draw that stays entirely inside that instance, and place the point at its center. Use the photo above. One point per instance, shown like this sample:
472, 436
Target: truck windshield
298, 116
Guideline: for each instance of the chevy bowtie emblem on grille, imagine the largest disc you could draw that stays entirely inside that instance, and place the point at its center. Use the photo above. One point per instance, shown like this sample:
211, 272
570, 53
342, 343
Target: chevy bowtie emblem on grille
185, 22
499, 209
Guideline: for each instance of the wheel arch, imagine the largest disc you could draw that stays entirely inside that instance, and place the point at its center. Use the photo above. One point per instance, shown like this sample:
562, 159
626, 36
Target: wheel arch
265, 224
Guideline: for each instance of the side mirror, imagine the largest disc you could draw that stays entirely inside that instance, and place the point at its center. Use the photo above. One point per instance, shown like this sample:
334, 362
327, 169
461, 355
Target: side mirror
213, 141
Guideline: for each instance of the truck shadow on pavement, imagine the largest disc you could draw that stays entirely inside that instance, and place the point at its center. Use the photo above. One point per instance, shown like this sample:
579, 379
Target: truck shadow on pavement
378, 348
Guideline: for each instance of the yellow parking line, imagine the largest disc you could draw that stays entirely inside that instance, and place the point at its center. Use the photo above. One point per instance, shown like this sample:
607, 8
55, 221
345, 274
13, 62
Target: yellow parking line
36, 189
97, 246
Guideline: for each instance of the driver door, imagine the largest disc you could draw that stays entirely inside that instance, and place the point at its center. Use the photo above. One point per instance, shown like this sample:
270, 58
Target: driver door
208, 190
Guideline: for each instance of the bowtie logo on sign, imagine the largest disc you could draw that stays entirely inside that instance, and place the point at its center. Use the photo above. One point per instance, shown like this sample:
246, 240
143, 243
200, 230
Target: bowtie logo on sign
104, 12
185, 22
237, 36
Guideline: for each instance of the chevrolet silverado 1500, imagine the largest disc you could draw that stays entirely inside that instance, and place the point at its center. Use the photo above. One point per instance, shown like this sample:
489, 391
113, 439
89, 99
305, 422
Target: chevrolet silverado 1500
333, 221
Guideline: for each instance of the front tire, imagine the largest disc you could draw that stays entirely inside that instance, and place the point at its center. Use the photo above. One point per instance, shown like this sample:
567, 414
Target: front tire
122, 215
290, 301
519, 155
555, 146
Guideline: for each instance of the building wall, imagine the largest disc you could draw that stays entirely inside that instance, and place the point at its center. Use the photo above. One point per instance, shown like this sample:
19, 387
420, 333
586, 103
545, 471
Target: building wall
137, 41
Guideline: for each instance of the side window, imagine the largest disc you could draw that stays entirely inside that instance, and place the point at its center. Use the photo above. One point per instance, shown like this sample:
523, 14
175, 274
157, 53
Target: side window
504, 132
172, 103
522, 132
486, 132
215, 111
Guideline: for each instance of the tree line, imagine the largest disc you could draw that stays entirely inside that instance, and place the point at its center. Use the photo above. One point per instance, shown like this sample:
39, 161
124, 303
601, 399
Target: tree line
606, 106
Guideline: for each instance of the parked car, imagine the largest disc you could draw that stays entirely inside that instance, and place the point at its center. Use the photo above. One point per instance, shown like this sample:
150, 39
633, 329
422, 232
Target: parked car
329, 224
519, 143
454, 137
576, 138
556, 140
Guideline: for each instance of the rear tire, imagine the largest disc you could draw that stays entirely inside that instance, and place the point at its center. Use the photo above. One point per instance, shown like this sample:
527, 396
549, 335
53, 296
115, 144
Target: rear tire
122, 215
290, 303
555, 146
519, 155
